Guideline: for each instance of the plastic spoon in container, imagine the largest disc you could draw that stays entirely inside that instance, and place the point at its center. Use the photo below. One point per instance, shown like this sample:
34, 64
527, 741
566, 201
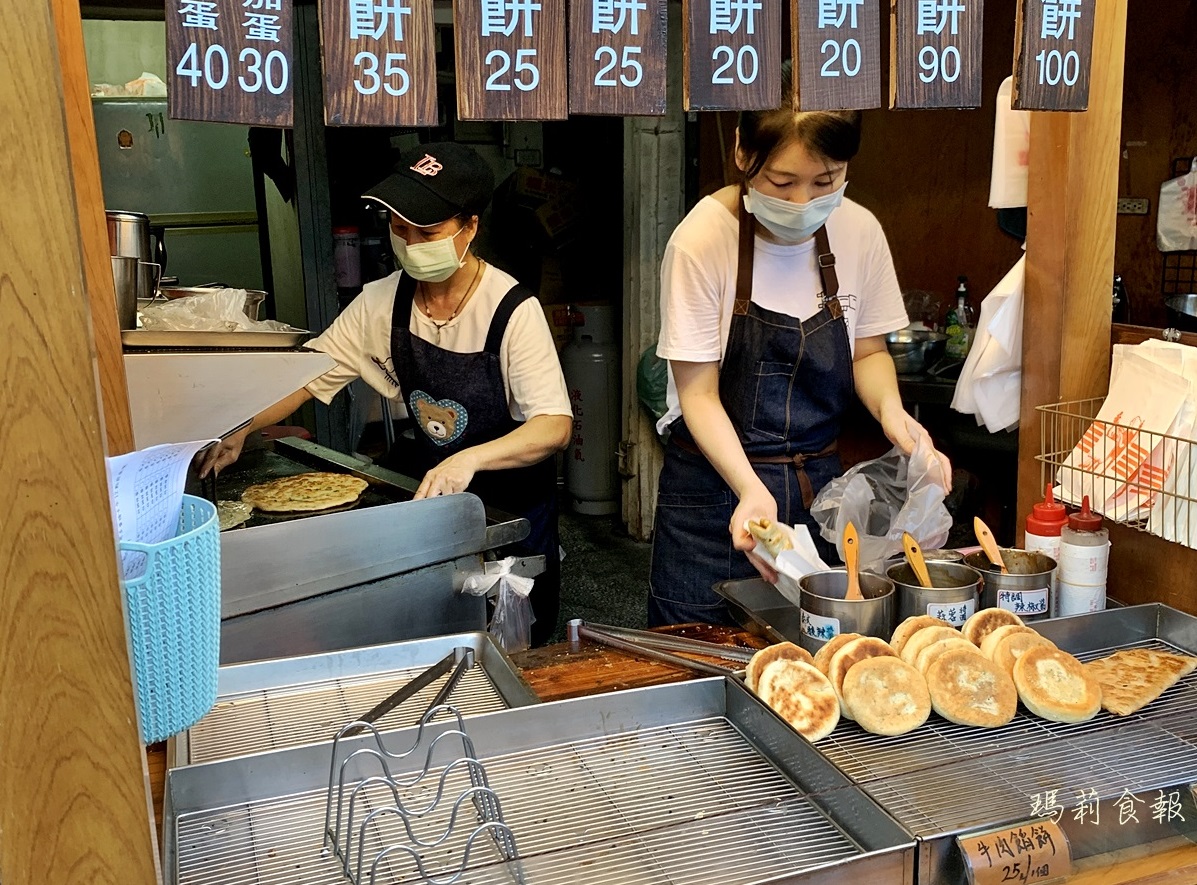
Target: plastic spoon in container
914, 556
851, 561
988, 544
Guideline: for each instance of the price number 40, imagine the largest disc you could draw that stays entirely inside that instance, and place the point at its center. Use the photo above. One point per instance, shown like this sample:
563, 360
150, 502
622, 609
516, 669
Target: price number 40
271, 72
1055, 67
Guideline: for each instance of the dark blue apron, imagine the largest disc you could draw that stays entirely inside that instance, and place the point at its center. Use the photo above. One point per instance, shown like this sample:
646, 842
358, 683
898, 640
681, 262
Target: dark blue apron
458, 400
785, 384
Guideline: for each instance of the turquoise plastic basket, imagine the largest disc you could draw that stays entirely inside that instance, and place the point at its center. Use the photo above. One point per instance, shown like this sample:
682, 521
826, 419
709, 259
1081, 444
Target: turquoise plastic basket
174, 623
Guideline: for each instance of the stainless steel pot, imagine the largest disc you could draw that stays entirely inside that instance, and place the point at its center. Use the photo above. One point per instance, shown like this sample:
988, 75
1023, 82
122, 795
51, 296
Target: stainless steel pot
826, 613
953, 594
130, 235
125, 279
1026, 590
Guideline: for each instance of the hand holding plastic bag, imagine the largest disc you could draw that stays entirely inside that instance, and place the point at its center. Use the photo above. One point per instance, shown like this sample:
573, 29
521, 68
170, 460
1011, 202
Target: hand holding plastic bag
511, 624
884, 498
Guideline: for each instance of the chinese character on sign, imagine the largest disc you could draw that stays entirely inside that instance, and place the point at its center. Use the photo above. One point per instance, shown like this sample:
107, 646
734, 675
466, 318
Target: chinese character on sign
612, 15
1042, 837
1059, 16
935, 15
198, 14
1045, 805
833, 13
1086, 807
259, 26
729, 15
1003, 847
1022, 842
268, 5
1126, 807
373, 18
503, 16
1166, 808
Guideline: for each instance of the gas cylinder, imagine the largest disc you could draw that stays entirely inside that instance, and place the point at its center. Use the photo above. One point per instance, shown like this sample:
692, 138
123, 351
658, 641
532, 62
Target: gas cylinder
591, 365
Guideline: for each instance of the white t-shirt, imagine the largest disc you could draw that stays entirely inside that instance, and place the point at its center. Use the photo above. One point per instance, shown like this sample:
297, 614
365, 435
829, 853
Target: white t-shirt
360, 341
698, 283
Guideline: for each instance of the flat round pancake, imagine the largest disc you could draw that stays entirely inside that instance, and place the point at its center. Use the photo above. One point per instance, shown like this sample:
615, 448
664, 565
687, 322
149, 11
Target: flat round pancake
985, 621
969, 689
887, 696
305, 492
781, 651
802, 696
847, 656
993, 637
834, 644
931, 652
1012, 646
923, 638
912, 625
1055, 686
1134, 677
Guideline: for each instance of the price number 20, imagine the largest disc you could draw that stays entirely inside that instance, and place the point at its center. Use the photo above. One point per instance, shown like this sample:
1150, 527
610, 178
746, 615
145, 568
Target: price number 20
270, 71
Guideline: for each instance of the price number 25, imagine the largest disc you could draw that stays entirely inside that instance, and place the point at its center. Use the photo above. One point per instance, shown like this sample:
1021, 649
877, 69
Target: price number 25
257, 71
526, 74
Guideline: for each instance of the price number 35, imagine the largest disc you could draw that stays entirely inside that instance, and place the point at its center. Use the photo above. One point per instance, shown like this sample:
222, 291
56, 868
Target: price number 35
393, 80
271, 71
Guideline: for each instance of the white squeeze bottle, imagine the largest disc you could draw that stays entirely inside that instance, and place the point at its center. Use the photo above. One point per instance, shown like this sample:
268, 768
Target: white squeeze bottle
1084, 563
1044, 524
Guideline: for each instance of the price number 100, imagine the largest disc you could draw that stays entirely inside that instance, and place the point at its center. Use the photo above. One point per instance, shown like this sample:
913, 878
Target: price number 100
271, 71
1056, 67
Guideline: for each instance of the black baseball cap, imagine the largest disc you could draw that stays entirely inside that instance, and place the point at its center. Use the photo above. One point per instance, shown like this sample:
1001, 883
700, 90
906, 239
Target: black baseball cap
432, 183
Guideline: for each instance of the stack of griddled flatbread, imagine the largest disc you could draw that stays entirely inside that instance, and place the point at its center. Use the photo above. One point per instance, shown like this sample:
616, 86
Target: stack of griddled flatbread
976, 675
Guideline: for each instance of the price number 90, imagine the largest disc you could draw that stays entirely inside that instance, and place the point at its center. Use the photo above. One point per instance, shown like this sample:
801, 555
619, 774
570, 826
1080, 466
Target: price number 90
937, 64
271, 71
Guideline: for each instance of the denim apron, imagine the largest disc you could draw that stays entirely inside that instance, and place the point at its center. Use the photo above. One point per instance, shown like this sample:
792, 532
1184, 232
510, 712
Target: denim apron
458, 400
785, 384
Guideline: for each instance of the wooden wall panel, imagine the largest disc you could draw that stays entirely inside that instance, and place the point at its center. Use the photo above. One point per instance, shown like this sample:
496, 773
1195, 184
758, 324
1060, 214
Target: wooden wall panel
1159, 122
74, 807
89, 202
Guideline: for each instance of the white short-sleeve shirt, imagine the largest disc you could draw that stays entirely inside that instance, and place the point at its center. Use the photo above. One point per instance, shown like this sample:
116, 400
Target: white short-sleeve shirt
360, 341
698, 283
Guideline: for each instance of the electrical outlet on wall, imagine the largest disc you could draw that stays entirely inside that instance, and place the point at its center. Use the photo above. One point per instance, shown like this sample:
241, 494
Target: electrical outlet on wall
1133, 205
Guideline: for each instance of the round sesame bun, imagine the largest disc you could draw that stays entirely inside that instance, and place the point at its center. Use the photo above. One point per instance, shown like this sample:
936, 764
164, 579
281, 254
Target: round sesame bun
985, 621
991, 640
834, 644
923, 638
887, 696
766, 656
1055, 686
912, 625
968, 689
928, 655
850, 654
802, 696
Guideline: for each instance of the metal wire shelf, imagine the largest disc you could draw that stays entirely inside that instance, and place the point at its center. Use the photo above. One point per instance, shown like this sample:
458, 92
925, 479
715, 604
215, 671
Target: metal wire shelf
1132, 476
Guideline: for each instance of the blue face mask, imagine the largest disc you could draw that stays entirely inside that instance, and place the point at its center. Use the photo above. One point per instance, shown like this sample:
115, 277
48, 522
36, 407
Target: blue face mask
792, 222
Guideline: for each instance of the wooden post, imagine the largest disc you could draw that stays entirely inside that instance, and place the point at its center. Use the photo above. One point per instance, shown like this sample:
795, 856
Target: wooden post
1072, 192
74, 807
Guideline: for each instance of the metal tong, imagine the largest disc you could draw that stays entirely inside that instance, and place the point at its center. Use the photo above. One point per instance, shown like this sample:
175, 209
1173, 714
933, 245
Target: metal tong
658, 647
462, 657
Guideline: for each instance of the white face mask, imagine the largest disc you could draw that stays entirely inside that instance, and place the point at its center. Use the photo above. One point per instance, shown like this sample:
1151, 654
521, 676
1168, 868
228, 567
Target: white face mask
792, 222
433, 262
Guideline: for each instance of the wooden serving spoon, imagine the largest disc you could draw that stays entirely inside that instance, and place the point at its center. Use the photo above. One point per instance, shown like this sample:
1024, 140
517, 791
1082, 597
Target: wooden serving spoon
914, 556
851, 560
988, 544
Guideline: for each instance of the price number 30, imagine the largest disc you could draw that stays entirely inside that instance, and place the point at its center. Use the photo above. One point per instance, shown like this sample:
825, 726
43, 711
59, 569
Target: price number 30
271, 71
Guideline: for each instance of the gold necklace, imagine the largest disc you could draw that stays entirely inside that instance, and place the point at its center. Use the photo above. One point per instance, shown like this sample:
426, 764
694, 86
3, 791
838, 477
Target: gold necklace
470, 288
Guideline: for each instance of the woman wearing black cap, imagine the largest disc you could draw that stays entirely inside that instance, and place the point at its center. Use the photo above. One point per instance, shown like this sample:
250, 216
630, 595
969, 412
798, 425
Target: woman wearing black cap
466, 348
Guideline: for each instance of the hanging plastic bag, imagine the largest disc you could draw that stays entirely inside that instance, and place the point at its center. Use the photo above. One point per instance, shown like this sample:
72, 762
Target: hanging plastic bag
511, 624
1176, 224
884, 498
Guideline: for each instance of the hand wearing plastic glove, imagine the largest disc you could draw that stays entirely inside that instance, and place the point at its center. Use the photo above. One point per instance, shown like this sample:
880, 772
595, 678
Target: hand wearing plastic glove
904, 432
755, 503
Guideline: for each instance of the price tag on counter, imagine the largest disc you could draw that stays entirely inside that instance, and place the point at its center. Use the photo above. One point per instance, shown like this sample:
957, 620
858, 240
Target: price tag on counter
510, 59
838, 47
379, 62
617, 53
936, 59
1053, 51
732, 54
230, 61
1027, 854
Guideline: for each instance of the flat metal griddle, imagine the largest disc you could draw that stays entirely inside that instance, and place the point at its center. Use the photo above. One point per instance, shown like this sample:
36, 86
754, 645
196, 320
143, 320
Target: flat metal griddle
687, 783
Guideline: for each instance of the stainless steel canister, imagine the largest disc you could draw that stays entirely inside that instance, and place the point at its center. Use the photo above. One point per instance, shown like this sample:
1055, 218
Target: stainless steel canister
953, 595
124, 280
825, 612
1026, 591
129, 235
938, 555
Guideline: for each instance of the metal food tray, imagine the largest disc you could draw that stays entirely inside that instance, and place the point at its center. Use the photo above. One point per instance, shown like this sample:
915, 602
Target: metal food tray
693, 782
942, 780
760, 609
183, 340
290, 702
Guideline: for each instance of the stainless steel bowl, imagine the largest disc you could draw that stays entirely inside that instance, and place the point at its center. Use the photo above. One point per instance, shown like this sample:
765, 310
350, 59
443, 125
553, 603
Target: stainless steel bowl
915, 350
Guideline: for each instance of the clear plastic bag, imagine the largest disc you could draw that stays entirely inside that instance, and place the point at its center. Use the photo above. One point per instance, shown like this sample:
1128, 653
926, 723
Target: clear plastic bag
1176, 222
511, 624
217, 310
884, 498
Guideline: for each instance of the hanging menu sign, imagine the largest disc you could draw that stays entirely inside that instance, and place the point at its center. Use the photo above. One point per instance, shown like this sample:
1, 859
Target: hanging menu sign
732, 54
379, 62
510, 59
229, 61
617, 52
838, 47
936, 60
1053, 52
